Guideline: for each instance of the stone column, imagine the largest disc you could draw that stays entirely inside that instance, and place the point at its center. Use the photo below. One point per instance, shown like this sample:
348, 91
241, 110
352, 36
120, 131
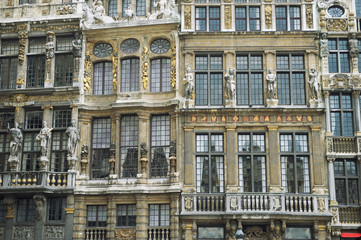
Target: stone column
142, 217
144, 130
189, 166
112, 217
274, 160
174, 217
231, 158
331, 181
118, 167
356, 108
80, 218
317, 156
85, 139
326, 95
69, 217
22, 66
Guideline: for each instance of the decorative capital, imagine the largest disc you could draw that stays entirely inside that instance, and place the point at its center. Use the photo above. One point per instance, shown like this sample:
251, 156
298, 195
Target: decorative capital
69, 210
356, 94
330, 159
272, 52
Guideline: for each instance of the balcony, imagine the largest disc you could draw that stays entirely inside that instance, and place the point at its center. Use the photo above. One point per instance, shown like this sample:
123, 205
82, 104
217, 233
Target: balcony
158, 233
233, 203
95, 233
341, 145
349, 215
31, 180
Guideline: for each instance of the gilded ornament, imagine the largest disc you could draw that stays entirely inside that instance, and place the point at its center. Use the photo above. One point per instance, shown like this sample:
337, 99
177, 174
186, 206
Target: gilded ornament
115, 68
228, 16
173, 64
309, 16
145, 58
20, 81
124, 234
336, 25
268, 15
22, 42
87, 71
65, 9
9, 3
187, 16
19, 98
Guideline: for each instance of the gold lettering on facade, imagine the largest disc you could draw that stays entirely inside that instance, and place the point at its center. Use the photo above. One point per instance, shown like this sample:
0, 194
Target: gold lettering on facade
187, 16
228, 16
268, 15
145, 58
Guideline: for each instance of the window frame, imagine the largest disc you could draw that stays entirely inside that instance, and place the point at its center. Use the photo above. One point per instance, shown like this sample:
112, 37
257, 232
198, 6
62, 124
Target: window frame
5, 117
36, 64
128, 77
134, 171
158, 77
112, 8
341, 67
248, 19
160, 219
8, 78
66, 66
127, 224
342, 111
101, 81
97, 222
289, 24
29, 213
207, 20
57, 213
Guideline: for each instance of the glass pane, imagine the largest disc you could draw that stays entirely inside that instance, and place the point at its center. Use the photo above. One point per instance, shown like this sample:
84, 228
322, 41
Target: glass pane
346, 101
347, 124
258, 143
201, 89
336, 123
298, 89
353, 191
257, 89
201, 62
244, 143
217, 177
203, 174
216, 62
334, 101
351, 168
216, 93
298, 233
339, 168
301, 143
217, 143
286, 143
340, 191
242, 62
242, 89
283, 88
259, 174
297, 62
303, 175
202, 143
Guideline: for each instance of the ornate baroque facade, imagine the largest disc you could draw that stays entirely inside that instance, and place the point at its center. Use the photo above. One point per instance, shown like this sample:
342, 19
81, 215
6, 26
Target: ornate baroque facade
192, 119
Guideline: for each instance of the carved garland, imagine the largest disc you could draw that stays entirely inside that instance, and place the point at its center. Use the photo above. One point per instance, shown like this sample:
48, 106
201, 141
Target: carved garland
87, 71
65, 9
268, 15
145, 58
115, 68
22, 42
173, 64
309, 16
187, 16
228, 16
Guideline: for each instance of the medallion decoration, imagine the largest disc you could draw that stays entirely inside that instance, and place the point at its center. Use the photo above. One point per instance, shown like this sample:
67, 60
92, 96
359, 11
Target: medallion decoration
130, 45
160, 46
188, 203
102, 50
124, 234
336, 25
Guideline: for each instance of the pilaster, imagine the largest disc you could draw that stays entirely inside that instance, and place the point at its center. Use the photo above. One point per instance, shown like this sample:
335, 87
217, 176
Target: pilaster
142, 217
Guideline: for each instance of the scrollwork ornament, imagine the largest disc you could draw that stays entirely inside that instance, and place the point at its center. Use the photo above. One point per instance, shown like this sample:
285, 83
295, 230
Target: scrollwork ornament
268, 16
336, 25
309, 16
23, 35
124, 234
115, 68
228, 16
187, 16
87, 71
9, 3
329, 142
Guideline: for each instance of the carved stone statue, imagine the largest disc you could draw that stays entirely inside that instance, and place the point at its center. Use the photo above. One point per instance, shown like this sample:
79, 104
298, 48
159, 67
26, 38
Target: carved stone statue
73, 137
189, 84
44, 137
49, 46
313, 83
353, 45
324, 45
16, 139
143, 150
271, 84
88, 17
39, 202
84, 151
99, 12
231, 83
129, 12
165, 9
77, 45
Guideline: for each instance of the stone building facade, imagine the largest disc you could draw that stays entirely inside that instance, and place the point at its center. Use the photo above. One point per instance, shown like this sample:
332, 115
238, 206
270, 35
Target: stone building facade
193, 119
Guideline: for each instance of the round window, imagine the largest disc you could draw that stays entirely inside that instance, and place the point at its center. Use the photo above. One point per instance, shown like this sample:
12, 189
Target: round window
130, 45
102, 50
336, 11
160, 45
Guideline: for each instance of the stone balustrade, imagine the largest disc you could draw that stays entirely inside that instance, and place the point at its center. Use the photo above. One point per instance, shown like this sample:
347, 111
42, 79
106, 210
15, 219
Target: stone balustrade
249, 202
344, 145
158, 233
31, 179
95, 233
349, 215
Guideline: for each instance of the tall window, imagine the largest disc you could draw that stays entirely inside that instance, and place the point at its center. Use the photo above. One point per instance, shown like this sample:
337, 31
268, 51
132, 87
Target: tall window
61, 120
160, 75
252, 162
141, 7
158, 215
248, 19
129, 146
291, 79
346, 181
100, 148
56, 209
341, 114
126, 215
64, 63
288, 18
103, 78
9, 63
25, 210
210, 21
112, 8
5, 118
295, 172
209, 160
31, 148
338, 57
209, 79
96, 216
36, 63
3, 210
249, 79
130, 75
125, 5
160, 143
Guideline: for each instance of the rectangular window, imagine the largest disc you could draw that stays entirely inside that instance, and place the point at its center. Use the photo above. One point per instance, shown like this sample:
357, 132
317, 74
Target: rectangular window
36, 63
140, 7
5, 119
56, 209
160, 75
248, 19
126, 215
249, 79
299, 233
288, 15
346, 181
291, 79
338, 57
214, 19
64, 61
112, 8
100, 148
3, 210
209, 80
61, 120
160, 143
125, 6
21, 2
209, 163
341, 114
158, 215
130, 75
295, 173
129, 146
25, 210
201, 19
252, 162
9, 63
97, 216
103, 78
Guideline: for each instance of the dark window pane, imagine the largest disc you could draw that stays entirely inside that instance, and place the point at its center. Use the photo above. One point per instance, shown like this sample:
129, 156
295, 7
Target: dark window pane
64, 70
201, 24
281, 18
